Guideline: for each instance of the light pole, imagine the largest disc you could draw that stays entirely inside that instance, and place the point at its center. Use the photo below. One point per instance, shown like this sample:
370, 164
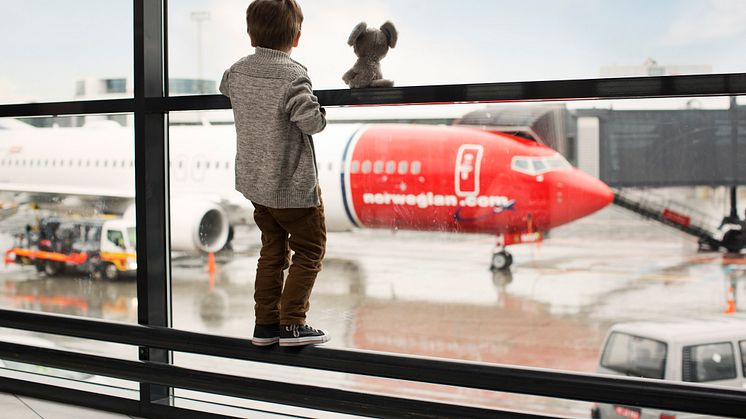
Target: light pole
199, 18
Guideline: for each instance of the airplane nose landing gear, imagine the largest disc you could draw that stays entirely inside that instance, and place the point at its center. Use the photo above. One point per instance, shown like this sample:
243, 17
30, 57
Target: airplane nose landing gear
501, 260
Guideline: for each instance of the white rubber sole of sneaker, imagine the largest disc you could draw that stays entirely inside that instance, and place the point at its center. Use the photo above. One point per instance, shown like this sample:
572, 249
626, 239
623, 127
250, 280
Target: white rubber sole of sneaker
264, 341
310, 340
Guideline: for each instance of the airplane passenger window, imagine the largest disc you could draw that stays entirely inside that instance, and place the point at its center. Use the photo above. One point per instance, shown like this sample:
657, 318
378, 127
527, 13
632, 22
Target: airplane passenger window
416, 167
366, 166
198, 164
355, 167
390, 167
217, 164
207, 165
403, 165
378, 166
106, 163
122, 164
227, 165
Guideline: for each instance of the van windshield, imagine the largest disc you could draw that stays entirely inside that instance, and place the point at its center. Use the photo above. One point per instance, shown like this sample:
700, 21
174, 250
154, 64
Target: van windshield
635, 356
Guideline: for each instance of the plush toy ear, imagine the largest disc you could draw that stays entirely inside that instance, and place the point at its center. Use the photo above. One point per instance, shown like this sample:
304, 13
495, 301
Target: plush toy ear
359, 30
391, 34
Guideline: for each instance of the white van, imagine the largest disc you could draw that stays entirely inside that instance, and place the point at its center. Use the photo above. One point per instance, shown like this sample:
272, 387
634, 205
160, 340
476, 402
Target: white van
708, 351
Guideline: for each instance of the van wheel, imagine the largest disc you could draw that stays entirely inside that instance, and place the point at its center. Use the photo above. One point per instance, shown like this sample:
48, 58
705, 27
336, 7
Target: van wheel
110, 271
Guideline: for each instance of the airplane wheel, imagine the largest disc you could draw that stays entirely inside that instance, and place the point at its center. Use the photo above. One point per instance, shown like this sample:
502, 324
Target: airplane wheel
110, 271
501, 261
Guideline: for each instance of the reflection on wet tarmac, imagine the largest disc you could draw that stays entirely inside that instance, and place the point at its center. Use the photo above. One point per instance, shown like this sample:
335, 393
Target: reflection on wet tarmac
433, 295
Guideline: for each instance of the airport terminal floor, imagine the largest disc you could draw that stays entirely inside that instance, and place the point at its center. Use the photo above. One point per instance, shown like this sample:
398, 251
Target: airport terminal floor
20, 407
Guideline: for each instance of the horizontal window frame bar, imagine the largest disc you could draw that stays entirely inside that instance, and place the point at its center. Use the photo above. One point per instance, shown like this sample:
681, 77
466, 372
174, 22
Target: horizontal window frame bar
300, 395
99, 401
729, 84
522, 380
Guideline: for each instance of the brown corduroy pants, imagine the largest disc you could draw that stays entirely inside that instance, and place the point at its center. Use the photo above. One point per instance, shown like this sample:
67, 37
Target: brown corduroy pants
302, 230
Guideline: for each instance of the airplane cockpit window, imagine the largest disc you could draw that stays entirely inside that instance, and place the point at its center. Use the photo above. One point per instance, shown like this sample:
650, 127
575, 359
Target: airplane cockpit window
535, 166
539, 166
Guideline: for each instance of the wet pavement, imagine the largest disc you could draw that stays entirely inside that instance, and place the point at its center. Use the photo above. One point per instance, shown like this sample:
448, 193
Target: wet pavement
431, 294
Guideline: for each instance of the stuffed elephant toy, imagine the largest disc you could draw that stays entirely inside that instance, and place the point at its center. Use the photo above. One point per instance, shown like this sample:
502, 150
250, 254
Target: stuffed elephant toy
370, 45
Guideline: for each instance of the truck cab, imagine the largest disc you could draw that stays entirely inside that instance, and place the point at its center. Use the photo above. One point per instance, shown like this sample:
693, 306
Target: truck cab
708, 351
118, 246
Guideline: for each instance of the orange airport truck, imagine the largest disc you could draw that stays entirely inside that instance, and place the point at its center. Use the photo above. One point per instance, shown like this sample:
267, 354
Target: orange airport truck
102, 248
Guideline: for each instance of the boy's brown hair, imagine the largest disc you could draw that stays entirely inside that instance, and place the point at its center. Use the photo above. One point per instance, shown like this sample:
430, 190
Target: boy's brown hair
273, 23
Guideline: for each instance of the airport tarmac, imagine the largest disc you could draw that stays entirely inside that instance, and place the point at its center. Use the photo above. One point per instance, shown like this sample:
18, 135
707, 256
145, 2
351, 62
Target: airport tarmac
431, 294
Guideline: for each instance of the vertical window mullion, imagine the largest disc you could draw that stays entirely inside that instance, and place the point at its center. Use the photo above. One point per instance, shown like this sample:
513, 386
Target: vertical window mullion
151, 185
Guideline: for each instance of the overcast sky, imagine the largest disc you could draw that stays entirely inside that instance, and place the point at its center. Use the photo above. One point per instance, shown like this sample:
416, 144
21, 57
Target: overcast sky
48, 44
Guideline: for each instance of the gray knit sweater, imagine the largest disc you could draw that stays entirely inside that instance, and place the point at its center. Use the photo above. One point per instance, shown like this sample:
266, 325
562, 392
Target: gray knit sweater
276, 113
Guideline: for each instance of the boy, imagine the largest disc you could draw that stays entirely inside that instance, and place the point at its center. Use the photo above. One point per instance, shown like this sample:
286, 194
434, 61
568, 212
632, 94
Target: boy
276, 113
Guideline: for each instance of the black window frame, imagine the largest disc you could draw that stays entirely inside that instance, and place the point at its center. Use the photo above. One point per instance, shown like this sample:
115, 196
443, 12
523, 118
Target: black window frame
151, 106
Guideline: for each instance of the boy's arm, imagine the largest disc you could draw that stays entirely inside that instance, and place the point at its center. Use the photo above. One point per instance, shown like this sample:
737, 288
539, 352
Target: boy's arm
224, 83
303, 107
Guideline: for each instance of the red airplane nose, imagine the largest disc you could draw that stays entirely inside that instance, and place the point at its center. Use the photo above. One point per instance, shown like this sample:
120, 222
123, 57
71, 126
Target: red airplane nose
575, 195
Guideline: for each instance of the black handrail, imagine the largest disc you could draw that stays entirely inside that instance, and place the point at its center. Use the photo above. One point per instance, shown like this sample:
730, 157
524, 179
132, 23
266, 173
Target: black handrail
525, 91
523, 380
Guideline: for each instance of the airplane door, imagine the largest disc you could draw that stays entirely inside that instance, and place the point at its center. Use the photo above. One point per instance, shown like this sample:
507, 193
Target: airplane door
468, 164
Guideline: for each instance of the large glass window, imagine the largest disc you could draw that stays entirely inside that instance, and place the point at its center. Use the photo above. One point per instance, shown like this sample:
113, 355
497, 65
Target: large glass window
479, 40
410, 263
63, 226
60, 51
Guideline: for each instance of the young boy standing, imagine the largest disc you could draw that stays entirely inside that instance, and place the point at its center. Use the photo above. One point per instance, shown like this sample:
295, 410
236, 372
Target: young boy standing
276, 113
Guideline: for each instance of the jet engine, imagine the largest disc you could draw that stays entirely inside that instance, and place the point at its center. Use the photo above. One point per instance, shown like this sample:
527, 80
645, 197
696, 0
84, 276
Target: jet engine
198, 226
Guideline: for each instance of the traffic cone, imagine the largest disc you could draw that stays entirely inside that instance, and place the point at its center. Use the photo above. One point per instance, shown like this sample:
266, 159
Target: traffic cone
211, 263
730, 304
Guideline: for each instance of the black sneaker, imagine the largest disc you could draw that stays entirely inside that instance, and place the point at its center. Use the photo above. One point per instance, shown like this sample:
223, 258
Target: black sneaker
266, 334
301, 334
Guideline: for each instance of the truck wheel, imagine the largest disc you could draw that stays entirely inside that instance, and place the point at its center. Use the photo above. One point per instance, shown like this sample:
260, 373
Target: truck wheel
110, 271
52, 268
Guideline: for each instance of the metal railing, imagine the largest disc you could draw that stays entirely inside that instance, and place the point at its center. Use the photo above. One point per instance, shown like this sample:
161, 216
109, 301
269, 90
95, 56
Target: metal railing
472, 375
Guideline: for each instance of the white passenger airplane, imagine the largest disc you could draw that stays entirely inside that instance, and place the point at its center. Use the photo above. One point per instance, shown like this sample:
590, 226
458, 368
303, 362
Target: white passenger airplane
420, 177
